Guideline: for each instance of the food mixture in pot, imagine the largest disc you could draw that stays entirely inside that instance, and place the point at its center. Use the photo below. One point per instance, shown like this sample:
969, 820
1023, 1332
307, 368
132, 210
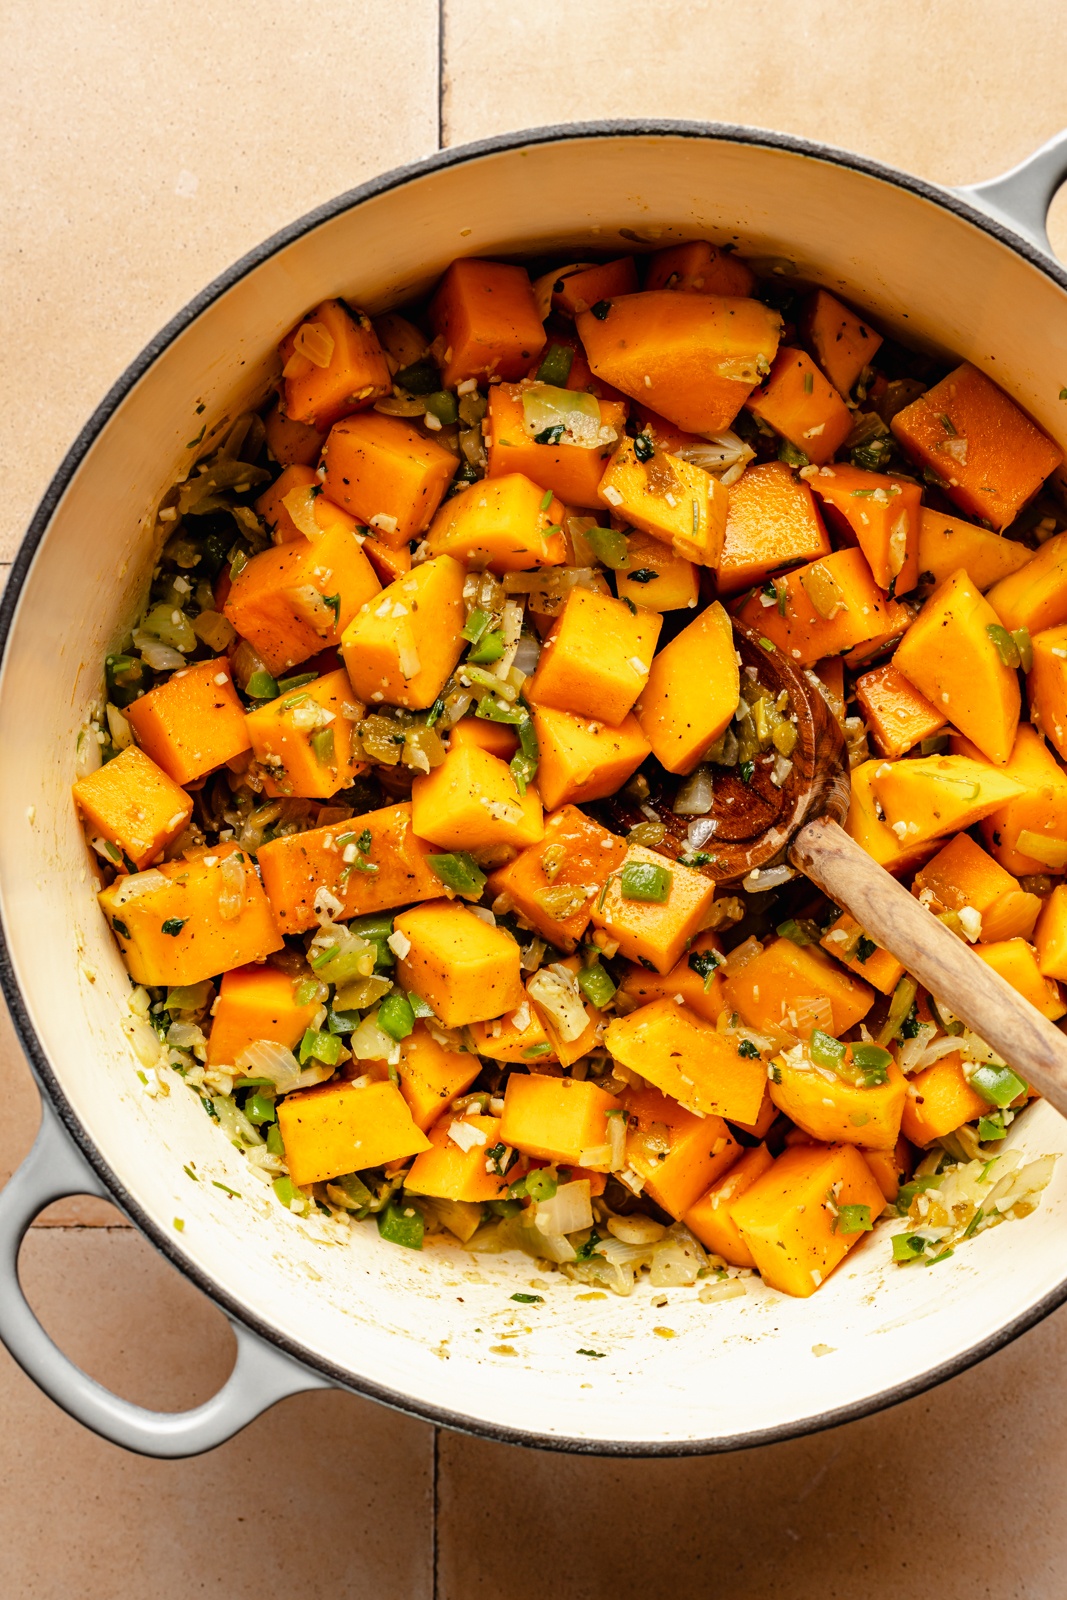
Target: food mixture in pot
406, 797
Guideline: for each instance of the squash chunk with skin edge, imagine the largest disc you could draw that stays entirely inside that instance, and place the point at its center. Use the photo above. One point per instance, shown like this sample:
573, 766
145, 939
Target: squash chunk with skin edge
465, 970
895, 853
284, 734
448, 1172
711, 1217
671, 499
652, 931
787, 1218
486, 314
1035, 596
841, 343
897, 715
596, 660
581, 760
678, 1155
940, 1100
667, 582
882, 515
840, 1112
1040, 808
555, 1119
569, 470
193, 722
694, 358
1050, 937
704, 1000
134, 805
345, 1127
692, 691
1047, 685
255, 1002
948, 543
776, 988
403, 645
963, 874
800, 404
500, 523
689, 1060
471, 802
877, 967
950, 656
934, 795
772, 522
355, 374
699, 267
856, 611
988, 454
175, 933
554, 883
297, 865
387, 474
297, 598
1017, 964
431, 1077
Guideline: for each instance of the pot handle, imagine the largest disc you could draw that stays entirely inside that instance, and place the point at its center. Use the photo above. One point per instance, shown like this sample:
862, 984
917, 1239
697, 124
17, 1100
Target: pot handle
262, 1374
1021, 198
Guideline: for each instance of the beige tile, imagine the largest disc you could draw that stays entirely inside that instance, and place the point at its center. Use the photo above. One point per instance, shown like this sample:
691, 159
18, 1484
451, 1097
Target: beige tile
958, 1493
324, 1496
144, 148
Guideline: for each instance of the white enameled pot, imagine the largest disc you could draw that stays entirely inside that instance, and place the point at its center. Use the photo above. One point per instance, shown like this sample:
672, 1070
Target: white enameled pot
437, 1333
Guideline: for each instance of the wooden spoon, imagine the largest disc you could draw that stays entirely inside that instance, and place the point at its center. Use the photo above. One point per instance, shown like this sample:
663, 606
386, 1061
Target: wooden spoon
759, 826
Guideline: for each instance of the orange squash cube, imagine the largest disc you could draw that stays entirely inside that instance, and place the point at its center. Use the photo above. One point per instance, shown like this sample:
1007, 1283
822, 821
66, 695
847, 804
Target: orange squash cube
597, 659
1016, 962
387, 474
897, 715
790, 1216
555, 1119
501, 523
689, 1060
135, 806
676, 1153
766, 1116
271, 503
882, 514
771, 522
465, 970
710, 1217
840, 341
986, 452
841, 1112
897, 854
683, 983
345, 1127
193, 722
448, 1171
297, 866
553, 884
198, 918
403, 645
291, 443
497, 738
568, 470
648, 931
333, 365
777, 990
291, 601
486, 314
692, 691
831, 605
963, 875
946, 544
303, 739
1047, 686
519, 1037
803, 406
1035, 595
1040, 806
655, 577
255, 1002
581, 760
699, 267
1050, 937
847, 942
471, 802
566, 1051
940, 1100
890, 1168
671, 499
931, 796
431, 1077
577, 291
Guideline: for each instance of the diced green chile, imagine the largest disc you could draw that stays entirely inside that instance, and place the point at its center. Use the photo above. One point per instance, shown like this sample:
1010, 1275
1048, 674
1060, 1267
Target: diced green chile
458, 871
402, 1225
643, 880
396, 1017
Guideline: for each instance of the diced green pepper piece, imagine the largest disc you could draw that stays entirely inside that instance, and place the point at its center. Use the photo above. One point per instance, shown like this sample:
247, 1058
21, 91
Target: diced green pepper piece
490, 648
643, 880
991, 1128
442, 405
401, 1225
998, 1085
287, 1192
343, 1021
322, 744
458, 871
596, 984
872, 1063
609, 546
853, 1219
1007, 649
126, 678
376, 926
556, 365
908, 1246
419, 1007
475, 625
396, 1017
259, 1108
420, 377
324, 1047
261, 686
825, 1050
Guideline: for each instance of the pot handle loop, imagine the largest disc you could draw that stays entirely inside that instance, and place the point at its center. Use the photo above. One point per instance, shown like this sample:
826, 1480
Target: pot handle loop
1021, 198
262, 1374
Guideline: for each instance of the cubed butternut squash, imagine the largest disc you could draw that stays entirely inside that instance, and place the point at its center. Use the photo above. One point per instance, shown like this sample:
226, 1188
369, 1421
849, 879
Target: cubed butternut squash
710, 1218
846, 941
465, 970
256, 1002
1047, 686
554, 883
964, 875
345, 1127
392, 871
677, 1154
271, 506
518, 1036
692, 691
693, 357
577, 291
671, 499
569, 470
896, 852
881, 514
841, 342
498, 738
386, 474
798, 402
134, 806
825, 608
333, 365
597, 658
581, 759
765, 1118
291, 443
697, 986
501, 523
946, 544
303, 740
689, 1060
1035, 595
486, 315
402, 646
456, 1166
655, 576
566, 1050
192, 723
699, 267
654, 931
939, 1100
779, 990
771, 523
471, 802
1039, 809
431, 1077
926, 798
1016, 962
555, 1119
898, 717
790, 1217
189, 920
891, 1168
840, 1112
1050, 936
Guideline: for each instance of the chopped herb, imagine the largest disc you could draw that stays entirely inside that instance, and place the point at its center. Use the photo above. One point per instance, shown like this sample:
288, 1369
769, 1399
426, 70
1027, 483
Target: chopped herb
120, 928
174, 925
234, 1194
642, 575
974, 1224
191, 444
809, 382
297, 681
747, 1049
705, 963
791, 455
498, 1155
642, 880
767, 644
1007, 648
597, 1355
644, 449
189, 1173
865, 948
587, 1251
551, 435
802, 932
601, 309
334, 603
747, 770
946, 422
547, 501
1063, 394
529, 1299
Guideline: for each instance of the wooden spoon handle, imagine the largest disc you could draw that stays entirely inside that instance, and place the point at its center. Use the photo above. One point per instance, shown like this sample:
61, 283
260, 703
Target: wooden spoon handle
942, 963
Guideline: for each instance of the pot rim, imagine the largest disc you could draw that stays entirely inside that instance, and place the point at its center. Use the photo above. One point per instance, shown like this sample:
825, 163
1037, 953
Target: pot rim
395, 178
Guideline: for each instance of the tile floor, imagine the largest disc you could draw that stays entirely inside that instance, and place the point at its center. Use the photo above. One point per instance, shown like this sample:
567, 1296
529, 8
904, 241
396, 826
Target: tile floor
144, 148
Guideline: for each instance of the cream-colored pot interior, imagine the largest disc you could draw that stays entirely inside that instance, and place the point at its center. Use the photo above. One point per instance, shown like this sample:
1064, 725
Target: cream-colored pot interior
438, 1331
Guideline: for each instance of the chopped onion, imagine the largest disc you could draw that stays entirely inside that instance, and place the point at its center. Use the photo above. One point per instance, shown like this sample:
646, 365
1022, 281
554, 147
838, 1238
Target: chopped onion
160, 657
720, 452
316, 342
699, 832
574, 411
527, 652
371, 1043
121, 732
696, 796
636, 1229
677, 1259
742, 954
144, 1040
562, 1001
232, 887
300, 504
569, 1210
763, 878
138, 884
268, 1059
217, 632
721, 1289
